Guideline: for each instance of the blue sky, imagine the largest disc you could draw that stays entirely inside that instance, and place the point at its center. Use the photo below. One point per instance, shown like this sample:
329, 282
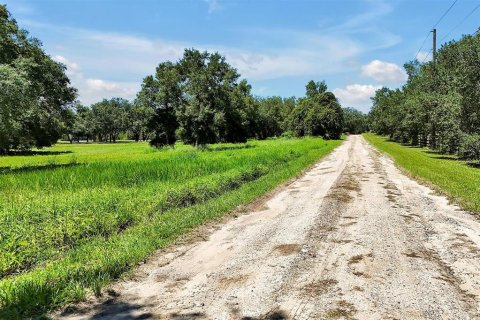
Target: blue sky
109, 46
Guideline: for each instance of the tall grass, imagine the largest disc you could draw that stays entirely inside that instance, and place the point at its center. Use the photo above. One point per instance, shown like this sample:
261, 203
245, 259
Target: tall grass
70, 227
459, 180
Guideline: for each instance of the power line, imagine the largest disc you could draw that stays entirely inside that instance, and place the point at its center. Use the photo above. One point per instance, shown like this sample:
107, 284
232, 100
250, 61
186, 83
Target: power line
426, 56
439, 20
461, 22
446, 12
423, 43
453, 29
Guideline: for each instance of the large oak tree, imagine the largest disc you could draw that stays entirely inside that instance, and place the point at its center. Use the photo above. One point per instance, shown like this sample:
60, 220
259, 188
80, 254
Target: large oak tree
35, 93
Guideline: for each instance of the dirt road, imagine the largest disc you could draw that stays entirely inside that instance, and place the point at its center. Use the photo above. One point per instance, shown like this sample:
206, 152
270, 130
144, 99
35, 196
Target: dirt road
354, 238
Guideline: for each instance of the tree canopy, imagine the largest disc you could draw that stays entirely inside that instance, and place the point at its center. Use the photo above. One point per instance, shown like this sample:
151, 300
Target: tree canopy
198, 99
354, 121
319, 114
35, 93
201, 100
439, 106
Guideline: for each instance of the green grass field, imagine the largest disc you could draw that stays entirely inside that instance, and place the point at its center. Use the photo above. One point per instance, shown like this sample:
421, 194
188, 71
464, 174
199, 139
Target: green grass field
75, 217
459, 180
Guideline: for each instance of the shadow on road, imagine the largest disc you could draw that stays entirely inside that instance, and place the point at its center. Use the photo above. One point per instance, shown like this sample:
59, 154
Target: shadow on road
112, 309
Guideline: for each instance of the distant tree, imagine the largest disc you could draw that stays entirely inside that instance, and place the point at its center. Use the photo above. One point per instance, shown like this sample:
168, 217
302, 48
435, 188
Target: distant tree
198, 99
272, 115
83, 124
236, 117
163, 95
110, 118
297, 123
69, 123
287, 108
35, 93
207, 114
387, 111
331, 114
138, 121
269, 116
354, 121
315, 88
319, 114
256, 120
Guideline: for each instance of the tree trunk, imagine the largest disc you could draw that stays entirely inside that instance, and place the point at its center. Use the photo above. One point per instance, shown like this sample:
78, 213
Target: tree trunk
434, 137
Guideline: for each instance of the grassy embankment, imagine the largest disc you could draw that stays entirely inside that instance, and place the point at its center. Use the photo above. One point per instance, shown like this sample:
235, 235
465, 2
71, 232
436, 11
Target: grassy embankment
75, 217
459, 180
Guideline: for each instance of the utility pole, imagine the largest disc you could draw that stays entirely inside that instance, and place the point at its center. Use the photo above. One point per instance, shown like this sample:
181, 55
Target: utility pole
434, 46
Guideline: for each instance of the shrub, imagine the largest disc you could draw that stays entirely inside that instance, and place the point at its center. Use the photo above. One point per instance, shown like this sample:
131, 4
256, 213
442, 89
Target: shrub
470, 147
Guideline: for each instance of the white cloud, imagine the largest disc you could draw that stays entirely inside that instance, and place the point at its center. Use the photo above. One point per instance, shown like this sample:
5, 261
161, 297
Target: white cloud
72, 67
94, 90
356, 95
97, 85
97, 89
384, 72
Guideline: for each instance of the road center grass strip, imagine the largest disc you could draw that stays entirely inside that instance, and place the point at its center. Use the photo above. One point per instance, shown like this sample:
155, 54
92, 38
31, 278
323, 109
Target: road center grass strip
459, 180
98, 260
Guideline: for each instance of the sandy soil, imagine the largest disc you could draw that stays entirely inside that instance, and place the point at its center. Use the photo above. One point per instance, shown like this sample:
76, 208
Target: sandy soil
354, 238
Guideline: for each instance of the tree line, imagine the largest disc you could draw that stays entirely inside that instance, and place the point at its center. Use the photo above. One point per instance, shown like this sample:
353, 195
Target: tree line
439, 106
199, 99
202, 112
106, 120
